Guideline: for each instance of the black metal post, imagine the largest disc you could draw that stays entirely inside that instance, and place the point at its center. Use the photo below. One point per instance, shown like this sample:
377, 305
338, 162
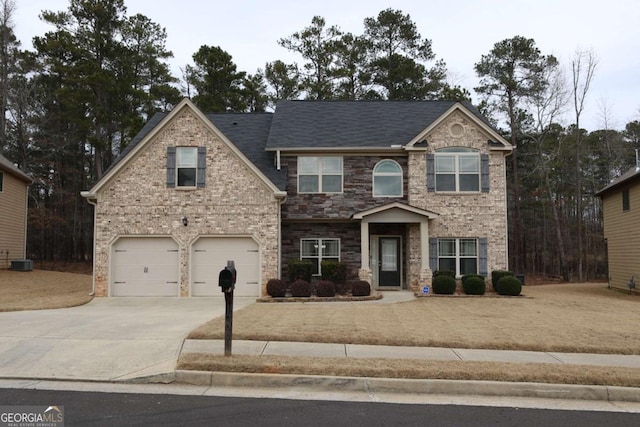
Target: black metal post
228, 320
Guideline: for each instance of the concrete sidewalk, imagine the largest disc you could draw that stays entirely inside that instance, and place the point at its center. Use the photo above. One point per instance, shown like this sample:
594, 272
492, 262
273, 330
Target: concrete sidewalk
279, 348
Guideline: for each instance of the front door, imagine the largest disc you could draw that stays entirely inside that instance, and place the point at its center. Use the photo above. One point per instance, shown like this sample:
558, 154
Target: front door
389, 261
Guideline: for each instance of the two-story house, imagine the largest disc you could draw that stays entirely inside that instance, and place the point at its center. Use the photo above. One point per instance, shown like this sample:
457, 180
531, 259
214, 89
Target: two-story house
395, 189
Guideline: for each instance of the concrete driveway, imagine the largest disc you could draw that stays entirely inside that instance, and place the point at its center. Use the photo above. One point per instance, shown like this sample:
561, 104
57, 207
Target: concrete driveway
107, 339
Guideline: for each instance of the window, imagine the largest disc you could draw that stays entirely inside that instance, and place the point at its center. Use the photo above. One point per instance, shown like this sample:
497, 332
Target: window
387, 179
625, 199
319, 174
1, 181
457, 169
459, 255
318, 250
186, 167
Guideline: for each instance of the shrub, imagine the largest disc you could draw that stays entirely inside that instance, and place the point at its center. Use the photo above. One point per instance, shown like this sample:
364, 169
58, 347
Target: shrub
496, 275
444, 273
277, 288
325, 288
334, 271
473, 284
444, 284
360, 288
509, 285
301, 288
300, 269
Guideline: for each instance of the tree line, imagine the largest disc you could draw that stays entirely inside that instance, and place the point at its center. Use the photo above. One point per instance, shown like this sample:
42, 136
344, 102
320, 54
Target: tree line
91, 82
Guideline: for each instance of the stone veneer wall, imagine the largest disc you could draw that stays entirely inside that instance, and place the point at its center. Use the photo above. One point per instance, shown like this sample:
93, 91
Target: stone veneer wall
462, 215
234, 202
357, 192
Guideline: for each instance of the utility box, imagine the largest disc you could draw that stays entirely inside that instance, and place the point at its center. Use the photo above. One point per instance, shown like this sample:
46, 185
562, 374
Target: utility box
22, 265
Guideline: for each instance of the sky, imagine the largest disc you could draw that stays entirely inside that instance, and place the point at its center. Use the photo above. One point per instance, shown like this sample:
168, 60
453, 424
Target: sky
461, 31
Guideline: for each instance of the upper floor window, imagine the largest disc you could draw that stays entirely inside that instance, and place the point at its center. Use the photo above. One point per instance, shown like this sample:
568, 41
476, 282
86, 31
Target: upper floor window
186, 167
387, 179
319, 174
625, 199
458, 169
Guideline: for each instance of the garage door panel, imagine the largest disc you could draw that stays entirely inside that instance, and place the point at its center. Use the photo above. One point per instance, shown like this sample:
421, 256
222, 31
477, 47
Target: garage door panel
210, 255
145, 266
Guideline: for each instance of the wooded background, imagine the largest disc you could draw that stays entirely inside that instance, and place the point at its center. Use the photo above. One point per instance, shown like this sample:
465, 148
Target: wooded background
75, 101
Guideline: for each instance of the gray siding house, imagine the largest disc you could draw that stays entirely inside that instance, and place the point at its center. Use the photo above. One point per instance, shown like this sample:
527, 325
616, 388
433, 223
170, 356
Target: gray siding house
395, 189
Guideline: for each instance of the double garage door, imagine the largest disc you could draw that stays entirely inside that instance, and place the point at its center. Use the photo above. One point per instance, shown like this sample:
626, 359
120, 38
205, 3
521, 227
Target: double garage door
149, 266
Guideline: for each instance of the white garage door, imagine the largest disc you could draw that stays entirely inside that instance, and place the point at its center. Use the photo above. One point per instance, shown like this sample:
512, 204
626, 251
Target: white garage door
144, 266
209, 255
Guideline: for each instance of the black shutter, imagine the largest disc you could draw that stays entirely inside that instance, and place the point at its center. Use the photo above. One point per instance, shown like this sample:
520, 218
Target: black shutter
482, 256
171, 167
431, 173
433, 253
484, 173
201, 173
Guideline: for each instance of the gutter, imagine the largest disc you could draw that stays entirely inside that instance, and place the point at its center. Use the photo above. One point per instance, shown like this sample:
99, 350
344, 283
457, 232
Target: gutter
92, 199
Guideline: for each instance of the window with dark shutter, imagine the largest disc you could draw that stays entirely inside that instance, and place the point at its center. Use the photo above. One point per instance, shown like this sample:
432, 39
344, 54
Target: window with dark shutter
171, 167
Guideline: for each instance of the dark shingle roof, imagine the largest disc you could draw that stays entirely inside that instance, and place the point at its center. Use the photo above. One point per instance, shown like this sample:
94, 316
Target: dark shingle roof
628, 177
249, 132
353, 124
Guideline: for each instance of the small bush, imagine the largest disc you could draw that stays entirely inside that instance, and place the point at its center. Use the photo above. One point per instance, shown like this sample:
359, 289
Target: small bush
509, 285
277, 288
300, 269
444, 284
334, 271
444, 273
474, 285
301, 288
496, 275
325, 288
360, 288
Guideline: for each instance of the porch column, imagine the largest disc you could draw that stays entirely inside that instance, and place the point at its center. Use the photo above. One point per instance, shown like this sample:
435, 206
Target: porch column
424, 245
364, 246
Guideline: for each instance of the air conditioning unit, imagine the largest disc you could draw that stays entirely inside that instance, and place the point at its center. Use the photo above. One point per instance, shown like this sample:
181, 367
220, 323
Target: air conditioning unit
22, 265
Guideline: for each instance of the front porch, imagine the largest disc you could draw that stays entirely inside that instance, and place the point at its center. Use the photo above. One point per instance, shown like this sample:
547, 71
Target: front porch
395, 246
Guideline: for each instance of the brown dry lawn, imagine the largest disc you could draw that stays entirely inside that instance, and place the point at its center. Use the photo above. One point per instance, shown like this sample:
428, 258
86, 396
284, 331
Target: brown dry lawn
585, 318
39, 290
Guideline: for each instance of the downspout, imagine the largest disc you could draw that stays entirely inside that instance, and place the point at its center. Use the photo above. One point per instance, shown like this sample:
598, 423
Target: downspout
506, 212
279, 261
95, 208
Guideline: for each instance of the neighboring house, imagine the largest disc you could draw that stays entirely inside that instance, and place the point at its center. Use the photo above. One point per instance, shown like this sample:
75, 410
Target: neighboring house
14, 185
395, 189
621, 218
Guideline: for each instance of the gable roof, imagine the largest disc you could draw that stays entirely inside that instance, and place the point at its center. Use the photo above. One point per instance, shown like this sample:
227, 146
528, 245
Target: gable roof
256, 129
7, 166
629, 177
356, 124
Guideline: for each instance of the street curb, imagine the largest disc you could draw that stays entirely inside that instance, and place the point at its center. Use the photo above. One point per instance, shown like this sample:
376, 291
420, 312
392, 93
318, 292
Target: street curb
409, 386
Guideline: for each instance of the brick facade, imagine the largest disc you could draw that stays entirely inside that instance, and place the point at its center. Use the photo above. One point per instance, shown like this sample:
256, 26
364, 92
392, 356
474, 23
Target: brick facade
137, 202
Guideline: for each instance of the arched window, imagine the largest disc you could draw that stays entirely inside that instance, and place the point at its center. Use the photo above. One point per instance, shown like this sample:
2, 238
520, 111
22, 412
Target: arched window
387, 179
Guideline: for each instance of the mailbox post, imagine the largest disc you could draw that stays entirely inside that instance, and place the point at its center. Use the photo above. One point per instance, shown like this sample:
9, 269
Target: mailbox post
227, 283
